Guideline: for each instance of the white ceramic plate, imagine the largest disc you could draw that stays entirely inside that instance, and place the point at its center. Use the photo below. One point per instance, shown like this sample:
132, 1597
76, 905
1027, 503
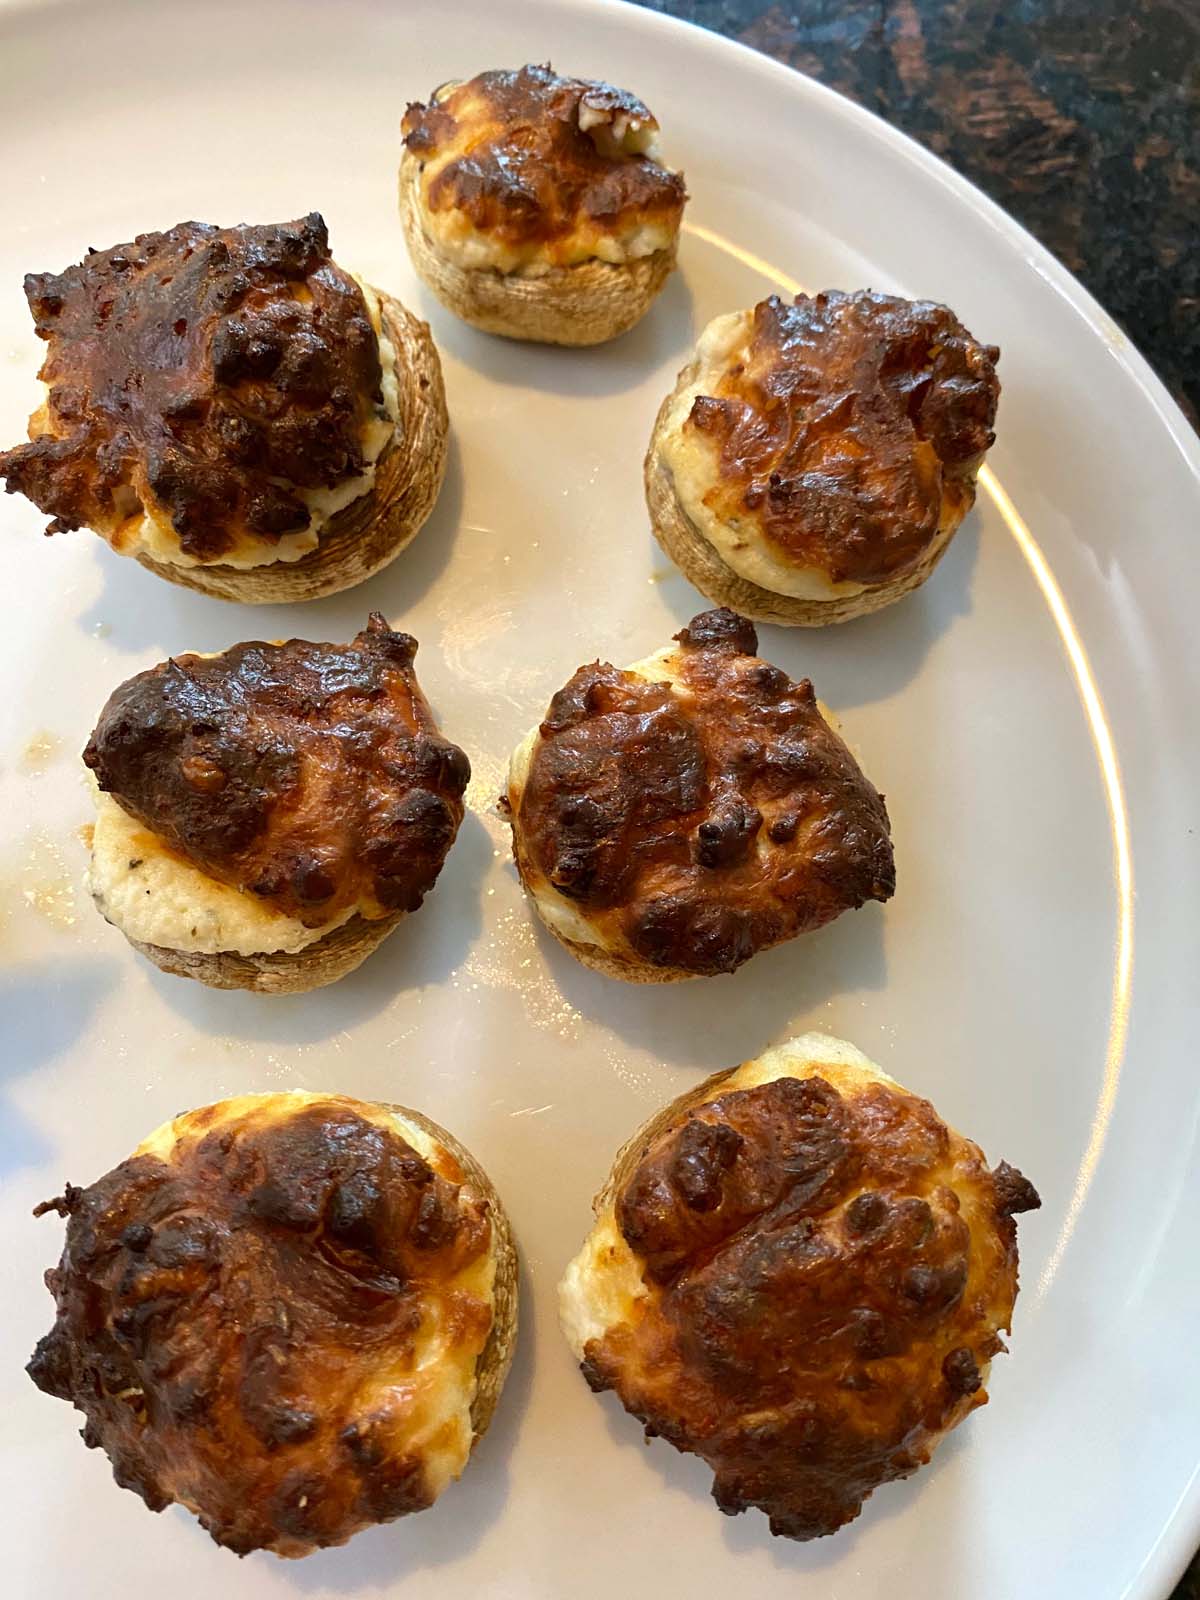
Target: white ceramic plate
1030, 715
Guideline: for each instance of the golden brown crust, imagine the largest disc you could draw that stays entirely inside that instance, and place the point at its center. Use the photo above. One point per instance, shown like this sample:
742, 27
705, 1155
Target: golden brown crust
277, 971
827, 1272
848, 441
312, 776
850, 430
257, 374
238, 1315
371, 531
704, 569
579, 305
496, 1357
535, 157
696, 823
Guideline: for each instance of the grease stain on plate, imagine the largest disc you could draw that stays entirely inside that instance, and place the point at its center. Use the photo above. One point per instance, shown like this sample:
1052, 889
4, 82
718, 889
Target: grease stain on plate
46, 884
508, 958
43, 749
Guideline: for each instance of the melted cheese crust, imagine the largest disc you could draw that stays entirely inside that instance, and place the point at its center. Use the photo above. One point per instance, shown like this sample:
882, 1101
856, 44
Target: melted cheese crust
477, 123
693, 462
604, 1282
434, 1387
149, 532
799, 1273
560, 913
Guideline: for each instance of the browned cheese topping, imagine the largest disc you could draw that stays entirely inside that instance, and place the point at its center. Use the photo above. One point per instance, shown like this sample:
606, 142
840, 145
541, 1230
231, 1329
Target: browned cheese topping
310, 775
853, 430
695, 826
828, 1275
537, 158
205, 372
237, 1323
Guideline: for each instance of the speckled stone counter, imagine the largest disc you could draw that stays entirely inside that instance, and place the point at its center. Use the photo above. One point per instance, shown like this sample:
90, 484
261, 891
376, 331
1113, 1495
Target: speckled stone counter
1081, 117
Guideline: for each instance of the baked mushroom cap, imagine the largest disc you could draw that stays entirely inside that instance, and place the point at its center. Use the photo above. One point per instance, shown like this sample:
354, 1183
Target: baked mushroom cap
534, 206
825, 450
222, 386
311, 777
290, 1313
678, 816
800, 1273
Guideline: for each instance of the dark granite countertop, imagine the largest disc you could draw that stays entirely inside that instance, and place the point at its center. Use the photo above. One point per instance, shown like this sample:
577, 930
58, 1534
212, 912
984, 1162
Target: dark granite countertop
1081, 117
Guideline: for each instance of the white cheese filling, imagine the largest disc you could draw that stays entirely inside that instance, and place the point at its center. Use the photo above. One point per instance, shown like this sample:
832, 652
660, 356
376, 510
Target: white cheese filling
465, 247
152, 895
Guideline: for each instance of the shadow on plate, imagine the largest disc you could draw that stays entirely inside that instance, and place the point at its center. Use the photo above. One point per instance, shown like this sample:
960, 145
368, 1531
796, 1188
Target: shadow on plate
425, 949
721, 1021
142, 612
401, 586
47, 1007
867, 660
379, 1559
664, 333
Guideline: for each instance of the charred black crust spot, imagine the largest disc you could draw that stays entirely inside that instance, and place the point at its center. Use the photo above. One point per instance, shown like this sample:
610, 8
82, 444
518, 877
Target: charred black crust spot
726, 836
866, 1212
62, 1205
962, 1372
705, 1151
720, 627
1014, 1192
595, 1378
